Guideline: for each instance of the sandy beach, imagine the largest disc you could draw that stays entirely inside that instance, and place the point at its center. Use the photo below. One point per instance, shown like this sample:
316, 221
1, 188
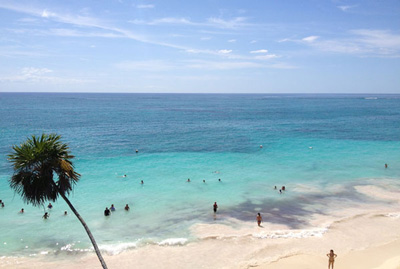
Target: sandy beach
369, 239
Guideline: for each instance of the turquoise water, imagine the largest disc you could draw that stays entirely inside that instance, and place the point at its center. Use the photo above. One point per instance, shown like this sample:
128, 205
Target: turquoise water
310, 140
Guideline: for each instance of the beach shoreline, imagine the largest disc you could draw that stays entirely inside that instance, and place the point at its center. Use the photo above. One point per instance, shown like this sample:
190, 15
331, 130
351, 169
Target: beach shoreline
383, 256
369, 239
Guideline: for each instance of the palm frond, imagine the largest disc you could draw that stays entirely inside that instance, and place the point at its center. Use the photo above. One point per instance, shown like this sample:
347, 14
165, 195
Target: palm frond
35, 163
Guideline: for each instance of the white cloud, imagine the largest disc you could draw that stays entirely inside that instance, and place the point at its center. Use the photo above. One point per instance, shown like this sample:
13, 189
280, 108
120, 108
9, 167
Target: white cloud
253, 41
32, 72
155, 66
171, 20
259, 51
378, 38
211, 22
229, 65
362, 42
224, 51
232, 40
310, 38
38, 75
266, 57
86, 22
75, 33
285, 40
230, 24
145, 6
221, 65
346, 8
47, 14
149, 65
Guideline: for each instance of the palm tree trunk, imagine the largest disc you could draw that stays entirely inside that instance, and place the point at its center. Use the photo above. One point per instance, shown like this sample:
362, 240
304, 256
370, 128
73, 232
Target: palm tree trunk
96, 248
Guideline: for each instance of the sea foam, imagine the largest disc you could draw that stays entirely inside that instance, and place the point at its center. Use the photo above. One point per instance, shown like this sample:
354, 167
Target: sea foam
318, 232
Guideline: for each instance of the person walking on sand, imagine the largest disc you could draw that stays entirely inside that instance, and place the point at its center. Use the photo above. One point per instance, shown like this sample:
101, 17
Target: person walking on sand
215, 206
331, 255
259, 219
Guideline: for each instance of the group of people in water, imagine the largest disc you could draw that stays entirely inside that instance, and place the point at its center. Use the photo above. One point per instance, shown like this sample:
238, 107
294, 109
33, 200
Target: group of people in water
107, 211
46, 214
204, 181
281, 189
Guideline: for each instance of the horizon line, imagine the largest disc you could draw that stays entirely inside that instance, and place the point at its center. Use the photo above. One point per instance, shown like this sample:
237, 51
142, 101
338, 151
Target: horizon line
238, 93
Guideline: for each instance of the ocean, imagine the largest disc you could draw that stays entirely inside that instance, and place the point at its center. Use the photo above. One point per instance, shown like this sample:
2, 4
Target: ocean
318, 146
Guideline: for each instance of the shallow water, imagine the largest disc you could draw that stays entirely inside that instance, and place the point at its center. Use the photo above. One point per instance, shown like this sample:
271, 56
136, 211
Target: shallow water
318, 146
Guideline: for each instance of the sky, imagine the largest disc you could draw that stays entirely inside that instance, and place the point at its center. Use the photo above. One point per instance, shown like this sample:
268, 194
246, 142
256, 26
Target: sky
207, 46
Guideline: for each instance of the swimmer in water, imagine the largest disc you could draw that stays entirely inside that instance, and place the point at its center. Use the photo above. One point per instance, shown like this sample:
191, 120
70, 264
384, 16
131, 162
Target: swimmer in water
124, 176
215, 207
22, 211
137, 151
46, 215
112, 207
141, 182
219, 180
260, 146
127, 207
386, 166
188, 180
50, 206
65, 213
204, 181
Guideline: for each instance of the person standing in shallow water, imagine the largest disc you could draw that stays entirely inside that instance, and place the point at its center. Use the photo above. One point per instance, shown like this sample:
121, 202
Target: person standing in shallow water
331, 255
259, 219
215, 207
107, 212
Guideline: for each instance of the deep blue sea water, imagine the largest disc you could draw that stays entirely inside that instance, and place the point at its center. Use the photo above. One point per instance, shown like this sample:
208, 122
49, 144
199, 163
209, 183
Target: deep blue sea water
307, 140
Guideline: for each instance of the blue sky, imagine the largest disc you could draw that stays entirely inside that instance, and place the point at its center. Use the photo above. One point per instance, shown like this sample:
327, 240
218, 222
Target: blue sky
208, 46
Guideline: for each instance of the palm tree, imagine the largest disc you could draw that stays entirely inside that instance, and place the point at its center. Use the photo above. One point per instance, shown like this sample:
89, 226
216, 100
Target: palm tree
36, 162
